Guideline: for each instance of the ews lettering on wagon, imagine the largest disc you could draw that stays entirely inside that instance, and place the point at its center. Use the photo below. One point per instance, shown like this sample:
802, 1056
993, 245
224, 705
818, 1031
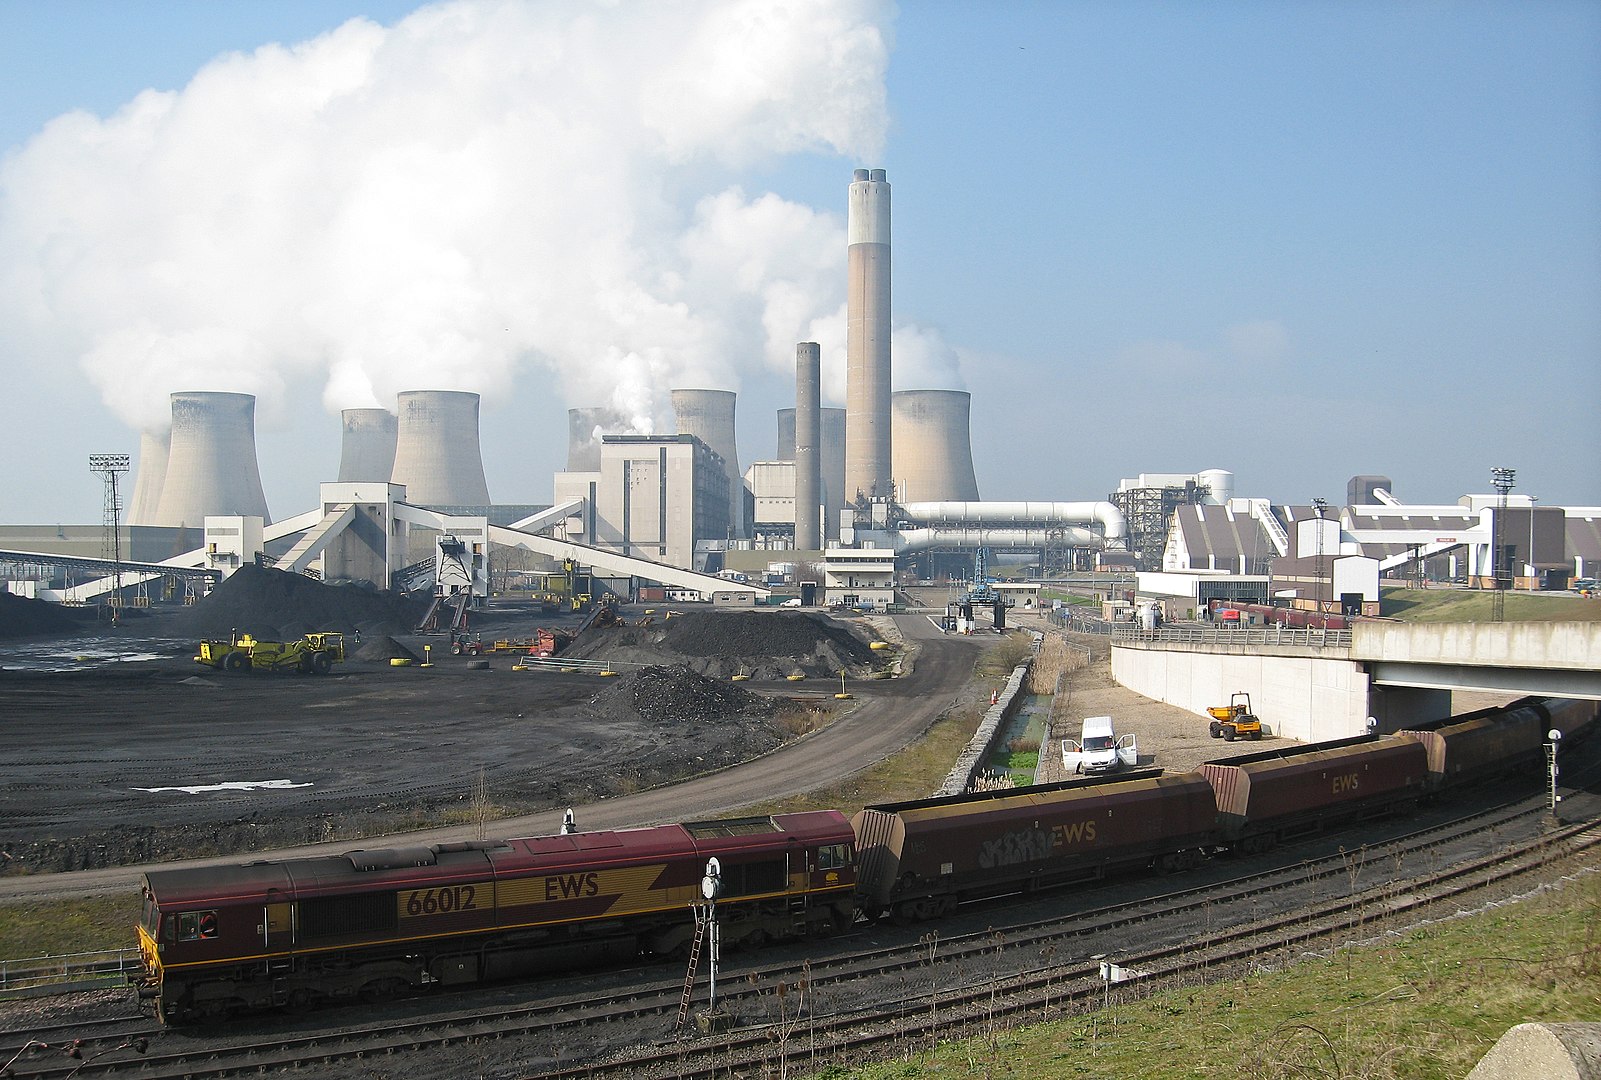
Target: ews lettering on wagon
1031, 845
1346, 784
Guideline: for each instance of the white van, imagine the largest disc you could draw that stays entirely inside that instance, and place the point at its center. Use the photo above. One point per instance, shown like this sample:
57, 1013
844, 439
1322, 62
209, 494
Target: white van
1098, 749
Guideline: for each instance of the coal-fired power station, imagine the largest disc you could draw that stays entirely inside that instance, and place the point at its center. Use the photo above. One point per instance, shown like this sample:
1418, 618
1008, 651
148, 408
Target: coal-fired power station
437, 452
933, 450
211, 461
367, 448
867, 339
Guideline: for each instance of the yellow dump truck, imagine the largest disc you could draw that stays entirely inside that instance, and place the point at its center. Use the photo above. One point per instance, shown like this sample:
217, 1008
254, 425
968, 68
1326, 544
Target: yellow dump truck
314, 654
1235, 720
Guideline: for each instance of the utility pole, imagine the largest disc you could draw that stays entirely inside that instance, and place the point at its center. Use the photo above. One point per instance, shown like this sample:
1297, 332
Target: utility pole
1503, 479
110, 466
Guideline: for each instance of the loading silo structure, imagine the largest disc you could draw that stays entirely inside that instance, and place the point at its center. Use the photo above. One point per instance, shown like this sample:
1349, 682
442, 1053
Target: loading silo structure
1219, 484
867, 338
808, 451
437, 455
154, 448
933, 451
367, 449
211, 461
709, 416
584, 429
831, 460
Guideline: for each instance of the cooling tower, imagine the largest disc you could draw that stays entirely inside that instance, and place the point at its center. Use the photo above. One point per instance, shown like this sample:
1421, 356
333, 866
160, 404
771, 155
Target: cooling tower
147, 483
584, 429
808, 437
831, 459
709, 416
437, 455
867, 360
933, 451
367, 451
211, 461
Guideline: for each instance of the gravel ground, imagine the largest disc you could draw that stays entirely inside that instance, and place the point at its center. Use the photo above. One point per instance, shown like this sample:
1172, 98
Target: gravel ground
123, 750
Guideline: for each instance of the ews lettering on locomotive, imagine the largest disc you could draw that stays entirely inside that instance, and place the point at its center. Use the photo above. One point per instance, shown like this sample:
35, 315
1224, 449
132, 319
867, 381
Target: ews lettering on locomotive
1346, 784
572, 886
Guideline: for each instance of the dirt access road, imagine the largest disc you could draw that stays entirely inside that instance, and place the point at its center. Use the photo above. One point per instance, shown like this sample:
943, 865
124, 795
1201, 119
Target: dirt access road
384, 737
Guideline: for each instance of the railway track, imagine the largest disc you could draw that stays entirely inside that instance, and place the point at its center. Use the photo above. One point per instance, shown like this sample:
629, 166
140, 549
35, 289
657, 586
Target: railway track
872, 994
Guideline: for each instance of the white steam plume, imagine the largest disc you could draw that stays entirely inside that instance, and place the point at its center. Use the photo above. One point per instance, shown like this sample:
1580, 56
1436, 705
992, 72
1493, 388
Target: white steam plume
483, 187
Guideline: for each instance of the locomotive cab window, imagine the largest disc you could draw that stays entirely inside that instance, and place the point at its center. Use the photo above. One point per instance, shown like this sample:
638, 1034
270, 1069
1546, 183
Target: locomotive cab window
833, 857
197, 925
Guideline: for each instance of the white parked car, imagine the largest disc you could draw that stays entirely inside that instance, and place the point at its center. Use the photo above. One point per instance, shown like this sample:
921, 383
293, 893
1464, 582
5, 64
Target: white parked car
793, 601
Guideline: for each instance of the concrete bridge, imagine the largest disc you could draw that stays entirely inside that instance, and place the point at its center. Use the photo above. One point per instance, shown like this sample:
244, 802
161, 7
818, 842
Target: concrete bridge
1327, 684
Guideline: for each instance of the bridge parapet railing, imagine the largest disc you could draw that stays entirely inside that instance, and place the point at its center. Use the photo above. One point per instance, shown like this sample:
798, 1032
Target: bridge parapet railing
1299, 636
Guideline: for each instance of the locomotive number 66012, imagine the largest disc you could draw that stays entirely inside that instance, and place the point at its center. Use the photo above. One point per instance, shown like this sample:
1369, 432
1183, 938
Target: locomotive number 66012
441, 901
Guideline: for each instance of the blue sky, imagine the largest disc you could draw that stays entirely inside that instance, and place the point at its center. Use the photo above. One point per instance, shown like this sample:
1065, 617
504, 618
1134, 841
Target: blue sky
1297, 242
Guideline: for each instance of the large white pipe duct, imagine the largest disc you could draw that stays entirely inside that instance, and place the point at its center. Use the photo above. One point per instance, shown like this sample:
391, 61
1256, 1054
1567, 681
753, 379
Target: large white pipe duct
437, 452
1017, 514
154, 449
808, 435
709, 416
932, 449
867, 338
367, 449
907, 540
211, 461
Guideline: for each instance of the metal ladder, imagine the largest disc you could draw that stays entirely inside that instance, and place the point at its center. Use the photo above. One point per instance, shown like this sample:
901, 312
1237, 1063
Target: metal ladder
694, 963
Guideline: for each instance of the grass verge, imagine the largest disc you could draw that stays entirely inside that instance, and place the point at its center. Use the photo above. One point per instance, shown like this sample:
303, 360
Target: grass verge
1476, 605
1426, 1003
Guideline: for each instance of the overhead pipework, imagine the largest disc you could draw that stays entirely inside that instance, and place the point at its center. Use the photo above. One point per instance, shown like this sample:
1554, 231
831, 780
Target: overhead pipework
1025, 515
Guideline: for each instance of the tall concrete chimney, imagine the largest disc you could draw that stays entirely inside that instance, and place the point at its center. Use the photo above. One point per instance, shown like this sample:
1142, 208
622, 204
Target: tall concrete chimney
367, 451
808, 436
831, 461
211, 460
437, 454
867, 333
154, 448
933, 448
584, 429
709, 416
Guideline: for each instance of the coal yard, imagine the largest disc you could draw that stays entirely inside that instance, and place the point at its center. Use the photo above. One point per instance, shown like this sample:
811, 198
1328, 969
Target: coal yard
124, 750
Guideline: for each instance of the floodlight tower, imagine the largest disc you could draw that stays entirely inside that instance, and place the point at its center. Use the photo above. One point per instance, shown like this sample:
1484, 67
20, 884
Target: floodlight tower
110, 466
1319, 506
1502, 478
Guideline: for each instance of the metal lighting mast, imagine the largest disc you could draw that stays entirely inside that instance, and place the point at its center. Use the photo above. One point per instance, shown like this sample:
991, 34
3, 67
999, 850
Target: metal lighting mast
110, 466
1502, 478
1320, 505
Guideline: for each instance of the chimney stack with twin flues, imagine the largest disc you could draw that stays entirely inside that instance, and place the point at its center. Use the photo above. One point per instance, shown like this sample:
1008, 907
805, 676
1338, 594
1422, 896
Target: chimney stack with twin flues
867, 334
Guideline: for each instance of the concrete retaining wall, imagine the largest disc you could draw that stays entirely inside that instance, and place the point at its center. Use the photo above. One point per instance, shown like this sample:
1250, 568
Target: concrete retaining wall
1306, 698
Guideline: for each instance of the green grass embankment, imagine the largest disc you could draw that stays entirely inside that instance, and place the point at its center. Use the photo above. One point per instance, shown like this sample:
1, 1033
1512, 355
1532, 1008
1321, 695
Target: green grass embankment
1476, 605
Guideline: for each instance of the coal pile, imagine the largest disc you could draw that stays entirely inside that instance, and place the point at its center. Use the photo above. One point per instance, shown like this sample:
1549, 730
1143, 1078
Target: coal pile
720, 644
383, 648
276, 606
21, 616
678, 695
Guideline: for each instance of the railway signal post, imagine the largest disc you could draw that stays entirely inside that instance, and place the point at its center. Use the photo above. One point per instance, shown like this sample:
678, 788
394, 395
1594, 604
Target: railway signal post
1553, 737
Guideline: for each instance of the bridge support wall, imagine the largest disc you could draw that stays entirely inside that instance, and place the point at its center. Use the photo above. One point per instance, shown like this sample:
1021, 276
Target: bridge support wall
1302, 697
